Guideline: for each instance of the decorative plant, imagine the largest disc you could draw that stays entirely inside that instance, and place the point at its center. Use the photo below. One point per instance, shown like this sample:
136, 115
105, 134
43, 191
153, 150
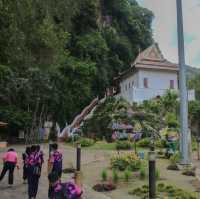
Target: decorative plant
104, 175
86, 142
162, 189
144, 142
174, 159
189, 171
142, 172
115, 176
123, 145
127, 175
157, 174
124, 161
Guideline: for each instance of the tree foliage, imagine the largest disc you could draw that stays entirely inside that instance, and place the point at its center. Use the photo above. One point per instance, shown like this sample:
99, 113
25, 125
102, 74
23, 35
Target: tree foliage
55, 56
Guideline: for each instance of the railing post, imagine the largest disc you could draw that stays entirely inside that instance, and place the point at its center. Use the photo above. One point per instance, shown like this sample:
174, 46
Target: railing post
78, 158
152, 175
78, 166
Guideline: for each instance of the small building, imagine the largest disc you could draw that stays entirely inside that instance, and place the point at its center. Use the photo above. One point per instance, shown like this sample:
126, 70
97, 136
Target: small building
149, 76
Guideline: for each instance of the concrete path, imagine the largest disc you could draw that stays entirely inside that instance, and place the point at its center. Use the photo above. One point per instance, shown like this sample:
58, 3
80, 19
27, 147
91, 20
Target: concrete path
19, 190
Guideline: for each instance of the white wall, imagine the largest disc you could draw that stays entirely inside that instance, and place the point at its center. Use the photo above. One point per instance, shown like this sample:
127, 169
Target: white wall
158, 84
158, 79
133, 81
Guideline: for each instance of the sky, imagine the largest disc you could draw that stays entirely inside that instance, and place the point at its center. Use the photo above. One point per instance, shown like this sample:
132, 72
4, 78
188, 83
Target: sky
165, 28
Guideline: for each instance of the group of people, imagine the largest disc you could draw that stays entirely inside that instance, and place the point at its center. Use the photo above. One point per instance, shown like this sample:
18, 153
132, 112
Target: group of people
33, 159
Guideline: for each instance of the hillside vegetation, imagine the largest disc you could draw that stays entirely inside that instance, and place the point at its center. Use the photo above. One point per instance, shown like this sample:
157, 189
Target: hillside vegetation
55, 56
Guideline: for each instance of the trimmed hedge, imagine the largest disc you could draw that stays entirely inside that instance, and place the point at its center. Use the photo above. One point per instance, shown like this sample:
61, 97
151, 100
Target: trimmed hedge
123, 145
86, 142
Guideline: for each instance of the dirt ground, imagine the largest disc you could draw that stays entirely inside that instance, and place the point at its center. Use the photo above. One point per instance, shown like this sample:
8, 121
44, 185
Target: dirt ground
93, 162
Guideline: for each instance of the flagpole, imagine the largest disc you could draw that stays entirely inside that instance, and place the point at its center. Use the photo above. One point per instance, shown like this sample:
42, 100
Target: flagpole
183, 88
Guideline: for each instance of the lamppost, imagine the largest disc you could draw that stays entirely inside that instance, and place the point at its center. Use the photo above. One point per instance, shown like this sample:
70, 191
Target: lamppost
183, 88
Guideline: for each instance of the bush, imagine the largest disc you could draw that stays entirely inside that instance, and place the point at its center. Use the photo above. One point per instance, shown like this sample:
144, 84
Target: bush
76, 138
123, 145
104, 175
157, 174
171, 120
174, 159
125, 161
86, 142
162, 189
127, 175
142, 172
115, 176
144, 143
160, 143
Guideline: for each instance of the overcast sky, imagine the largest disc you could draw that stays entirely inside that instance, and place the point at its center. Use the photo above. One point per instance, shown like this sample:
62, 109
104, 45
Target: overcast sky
165, 29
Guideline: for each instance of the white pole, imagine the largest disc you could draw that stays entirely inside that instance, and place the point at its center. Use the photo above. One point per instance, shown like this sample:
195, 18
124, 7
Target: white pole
183, 88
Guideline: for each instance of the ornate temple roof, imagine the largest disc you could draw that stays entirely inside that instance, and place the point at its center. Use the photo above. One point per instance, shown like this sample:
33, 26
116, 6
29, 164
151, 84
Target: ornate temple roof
150, 59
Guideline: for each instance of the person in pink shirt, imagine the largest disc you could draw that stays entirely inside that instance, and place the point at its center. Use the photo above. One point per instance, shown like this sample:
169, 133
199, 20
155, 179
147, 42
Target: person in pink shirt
10, 162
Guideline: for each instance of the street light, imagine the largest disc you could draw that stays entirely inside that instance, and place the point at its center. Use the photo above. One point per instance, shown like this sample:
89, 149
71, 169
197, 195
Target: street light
183, 88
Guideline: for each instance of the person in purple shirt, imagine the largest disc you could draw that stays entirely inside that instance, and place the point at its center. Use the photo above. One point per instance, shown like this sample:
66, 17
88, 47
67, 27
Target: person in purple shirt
33, 172
67, 190
55, 163
25, 156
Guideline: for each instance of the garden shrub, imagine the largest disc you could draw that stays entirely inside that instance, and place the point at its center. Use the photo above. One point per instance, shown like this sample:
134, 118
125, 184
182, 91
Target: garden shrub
144, 143
127, 175
160, 143
157, 174
123, 145
162, 189
174, 159
104, 175
76, 138
86, 142
142, 172
125, 161
171, 120
189, 171
115, 176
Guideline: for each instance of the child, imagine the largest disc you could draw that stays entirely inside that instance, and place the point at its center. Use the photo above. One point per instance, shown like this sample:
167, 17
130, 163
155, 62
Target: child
55, 160
63, 190
55, 163
25, 156
33, 172
40, 155
10, 162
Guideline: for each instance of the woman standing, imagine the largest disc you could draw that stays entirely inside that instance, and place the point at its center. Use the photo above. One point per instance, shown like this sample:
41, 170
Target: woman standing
25, 156
10, 162
33, 172
54, 165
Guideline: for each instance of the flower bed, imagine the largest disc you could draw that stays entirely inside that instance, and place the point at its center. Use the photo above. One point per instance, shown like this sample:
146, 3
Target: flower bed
163, 191
126, 161
104, 187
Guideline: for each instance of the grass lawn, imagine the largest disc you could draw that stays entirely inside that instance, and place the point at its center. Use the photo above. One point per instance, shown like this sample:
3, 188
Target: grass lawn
105, 146
102, 145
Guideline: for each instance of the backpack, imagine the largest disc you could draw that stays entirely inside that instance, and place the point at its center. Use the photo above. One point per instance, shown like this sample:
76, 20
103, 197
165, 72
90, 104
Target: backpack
33, 164
57, 165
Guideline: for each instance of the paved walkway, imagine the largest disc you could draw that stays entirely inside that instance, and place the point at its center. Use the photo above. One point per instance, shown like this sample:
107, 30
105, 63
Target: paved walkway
93, 162
19, 190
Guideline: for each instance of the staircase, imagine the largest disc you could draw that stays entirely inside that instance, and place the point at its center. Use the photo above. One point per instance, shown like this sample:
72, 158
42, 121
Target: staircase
79, 119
